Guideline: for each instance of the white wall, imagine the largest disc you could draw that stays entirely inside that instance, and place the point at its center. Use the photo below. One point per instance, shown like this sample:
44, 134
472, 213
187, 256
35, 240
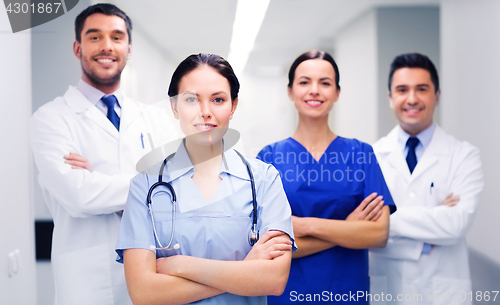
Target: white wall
16, 215
355, 114
265, 114
403, 30
470, 40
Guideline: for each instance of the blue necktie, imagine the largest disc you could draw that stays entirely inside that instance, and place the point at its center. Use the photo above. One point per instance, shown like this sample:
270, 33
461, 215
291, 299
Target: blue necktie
110, 102
411, 158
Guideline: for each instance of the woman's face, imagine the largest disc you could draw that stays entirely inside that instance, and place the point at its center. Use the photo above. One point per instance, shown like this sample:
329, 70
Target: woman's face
313, 90
204, 106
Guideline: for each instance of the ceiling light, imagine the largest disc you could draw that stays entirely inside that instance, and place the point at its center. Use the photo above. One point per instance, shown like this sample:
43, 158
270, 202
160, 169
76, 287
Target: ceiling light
247, 22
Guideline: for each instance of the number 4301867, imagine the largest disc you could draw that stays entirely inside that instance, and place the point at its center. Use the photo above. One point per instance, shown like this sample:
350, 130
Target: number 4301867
40, 8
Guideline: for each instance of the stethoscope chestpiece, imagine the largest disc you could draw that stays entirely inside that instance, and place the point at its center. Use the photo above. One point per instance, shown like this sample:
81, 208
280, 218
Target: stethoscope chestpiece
253, 237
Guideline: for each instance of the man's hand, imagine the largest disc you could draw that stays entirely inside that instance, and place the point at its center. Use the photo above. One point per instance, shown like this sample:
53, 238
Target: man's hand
270, 245
369, 209
451, 200
77, 161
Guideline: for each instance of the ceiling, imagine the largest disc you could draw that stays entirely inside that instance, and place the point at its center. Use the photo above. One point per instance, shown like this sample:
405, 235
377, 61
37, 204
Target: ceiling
290, 27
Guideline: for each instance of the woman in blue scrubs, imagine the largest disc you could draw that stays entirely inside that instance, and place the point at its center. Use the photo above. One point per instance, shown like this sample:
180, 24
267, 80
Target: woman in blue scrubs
210, 259
340, 202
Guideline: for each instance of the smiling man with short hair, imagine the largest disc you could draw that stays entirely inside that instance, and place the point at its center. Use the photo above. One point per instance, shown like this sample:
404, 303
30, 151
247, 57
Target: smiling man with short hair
436, 182
86, 145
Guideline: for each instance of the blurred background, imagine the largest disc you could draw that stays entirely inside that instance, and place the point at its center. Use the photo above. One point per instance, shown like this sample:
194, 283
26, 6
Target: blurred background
260, 40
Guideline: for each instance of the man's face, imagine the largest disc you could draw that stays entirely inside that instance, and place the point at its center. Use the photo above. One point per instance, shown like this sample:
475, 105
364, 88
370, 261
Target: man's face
103, 50
413, 99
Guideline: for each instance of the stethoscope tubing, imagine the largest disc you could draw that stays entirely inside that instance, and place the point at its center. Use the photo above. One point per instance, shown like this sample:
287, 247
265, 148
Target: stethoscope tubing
254, 233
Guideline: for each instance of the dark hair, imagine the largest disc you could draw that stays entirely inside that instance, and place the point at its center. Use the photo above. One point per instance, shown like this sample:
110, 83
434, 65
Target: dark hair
414, 60
214, 61
314, 54
101, 8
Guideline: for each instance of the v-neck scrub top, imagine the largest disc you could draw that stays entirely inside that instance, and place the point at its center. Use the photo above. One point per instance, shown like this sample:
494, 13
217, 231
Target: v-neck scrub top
330, 188
214, 229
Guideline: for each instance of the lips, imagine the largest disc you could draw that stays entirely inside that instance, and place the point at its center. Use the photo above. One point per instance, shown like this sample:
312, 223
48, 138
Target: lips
205, 126
314, 103
413, 110
105, 61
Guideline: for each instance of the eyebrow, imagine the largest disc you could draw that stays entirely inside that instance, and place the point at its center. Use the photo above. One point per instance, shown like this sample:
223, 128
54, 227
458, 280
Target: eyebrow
418, 85
219, 92
97, 30
324, 78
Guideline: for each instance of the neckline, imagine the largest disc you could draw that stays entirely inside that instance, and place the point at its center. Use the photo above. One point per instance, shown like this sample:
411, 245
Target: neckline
310, 154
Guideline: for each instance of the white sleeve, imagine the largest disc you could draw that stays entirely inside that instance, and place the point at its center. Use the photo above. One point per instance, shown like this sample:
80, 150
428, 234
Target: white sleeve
443, 225
80, 192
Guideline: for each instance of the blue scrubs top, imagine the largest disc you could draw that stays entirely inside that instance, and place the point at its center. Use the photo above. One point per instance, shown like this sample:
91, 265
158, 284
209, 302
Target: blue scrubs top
214, 229
330, 188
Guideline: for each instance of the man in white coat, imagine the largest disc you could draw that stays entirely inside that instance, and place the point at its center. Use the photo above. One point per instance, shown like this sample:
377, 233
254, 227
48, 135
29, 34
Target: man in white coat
436, 182
86, 145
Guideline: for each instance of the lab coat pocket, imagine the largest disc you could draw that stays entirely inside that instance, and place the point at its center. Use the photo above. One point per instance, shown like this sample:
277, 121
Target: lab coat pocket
451, 291
83, 276
378, 285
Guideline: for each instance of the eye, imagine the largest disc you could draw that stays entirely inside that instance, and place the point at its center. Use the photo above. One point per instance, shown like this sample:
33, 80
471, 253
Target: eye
326, 84
423, 89
117, 38
93, 38
303, 82
218, 100
401, 90
191, 99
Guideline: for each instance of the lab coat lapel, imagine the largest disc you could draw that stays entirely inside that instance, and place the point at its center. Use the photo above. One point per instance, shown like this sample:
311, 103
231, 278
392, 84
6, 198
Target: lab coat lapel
130, 111
395, 157
79, 104
436, 148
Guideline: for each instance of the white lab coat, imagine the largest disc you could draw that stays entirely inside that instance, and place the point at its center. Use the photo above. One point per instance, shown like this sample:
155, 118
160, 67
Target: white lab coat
85, 206
446, 166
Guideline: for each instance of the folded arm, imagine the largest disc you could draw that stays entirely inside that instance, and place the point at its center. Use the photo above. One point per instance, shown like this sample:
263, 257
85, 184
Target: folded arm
81, 192
366, 226
182, 279
360, 234
445, 224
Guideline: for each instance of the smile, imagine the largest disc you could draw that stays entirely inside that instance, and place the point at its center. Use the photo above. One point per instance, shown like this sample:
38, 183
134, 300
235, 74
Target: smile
205, 127
105, 61
412, 110
314, 103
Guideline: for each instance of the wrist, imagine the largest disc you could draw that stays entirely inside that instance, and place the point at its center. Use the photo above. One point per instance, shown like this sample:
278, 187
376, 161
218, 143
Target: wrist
309, 226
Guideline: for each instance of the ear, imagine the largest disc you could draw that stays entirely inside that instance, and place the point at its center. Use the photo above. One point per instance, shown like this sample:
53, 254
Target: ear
129, 53
173, 105
233, 107
438, 96
77, 49
391, 102
290, 93
337, 94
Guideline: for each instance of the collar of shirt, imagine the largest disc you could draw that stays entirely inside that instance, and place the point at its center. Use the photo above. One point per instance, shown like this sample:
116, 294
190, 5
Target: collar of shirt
94, 96
181, 165
424, 137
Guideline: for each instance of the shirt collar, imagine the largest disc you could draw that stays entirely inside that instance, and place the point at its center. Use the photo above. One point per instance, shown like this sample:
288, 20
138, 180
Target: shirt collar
231, 164
424, 136
94, 95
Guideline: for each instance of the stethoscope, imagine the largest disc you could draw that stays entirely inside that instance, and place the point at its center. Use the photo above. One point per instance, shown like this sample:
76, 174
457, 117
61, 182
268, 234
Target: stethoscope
253, 236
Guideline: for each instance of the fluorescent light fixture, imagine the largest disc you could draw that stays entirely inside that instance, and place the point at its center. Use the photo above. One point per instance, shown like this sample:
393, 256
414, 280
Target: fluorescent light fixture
247, 22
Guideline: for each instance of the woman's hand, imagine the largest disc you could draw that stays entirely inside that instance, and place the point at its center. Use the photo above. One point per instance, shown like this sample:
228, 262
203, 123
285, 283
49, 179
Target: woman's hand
77, 161
369, 209
270, 245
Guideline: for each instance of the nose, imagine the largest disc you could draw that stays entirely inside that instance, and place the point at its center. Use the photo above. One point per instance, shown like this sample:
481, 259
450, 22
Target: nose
314, 89
107, 45
205, 110
412, 97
